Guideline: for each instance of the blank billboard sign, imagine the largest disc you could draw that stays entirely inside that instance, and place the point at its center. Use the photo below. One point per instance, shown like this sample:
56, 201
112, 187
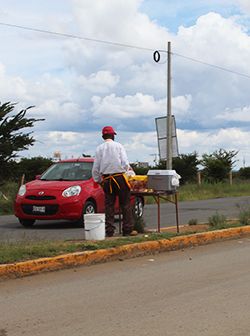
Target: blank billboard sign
161, 128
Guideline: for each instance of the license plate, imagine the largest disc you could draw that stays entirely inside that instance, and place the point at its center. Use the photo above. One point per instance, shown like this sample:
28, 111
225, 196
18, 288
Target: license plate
40, 209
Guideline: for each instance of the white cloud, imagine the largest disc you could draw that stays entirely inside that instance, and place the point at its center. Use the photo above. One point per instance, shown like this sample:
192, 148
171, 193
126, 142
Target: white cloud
207, 142
213, 34
69, 144
245, 5
78, 85
15, 84
60, 115
118, 22
143, 146
138, 107
127, 107
237, 114
100, 82
181, 105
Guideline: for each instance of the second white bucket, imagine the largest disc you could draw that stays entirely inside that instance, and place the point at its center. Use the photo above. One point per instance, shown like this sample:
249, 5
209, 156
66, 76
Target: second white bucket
94, 226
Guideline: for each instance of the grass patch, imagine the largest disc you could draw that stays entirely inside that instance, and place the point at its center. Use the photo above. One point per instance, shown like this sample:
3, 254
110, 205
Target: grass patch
7, 195
244, 214
221, 226
139, 224
193, 221
217, 220
188, 192
27, 250
195, 192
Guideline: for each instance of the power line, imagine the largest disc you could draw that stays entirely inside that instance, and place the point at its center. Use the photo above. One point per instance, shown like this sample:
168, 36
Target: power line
117, 44
212, 65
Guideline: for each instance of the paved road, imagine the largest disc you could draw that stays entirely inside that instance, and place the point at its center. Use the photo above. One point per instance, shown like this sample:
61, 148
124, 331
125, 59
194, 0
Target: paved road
11, 230
202, 291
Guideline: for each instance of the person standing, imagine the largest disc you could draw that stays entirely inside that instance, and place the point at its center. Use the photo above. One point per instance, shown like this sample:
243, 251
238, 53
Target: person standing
109, 167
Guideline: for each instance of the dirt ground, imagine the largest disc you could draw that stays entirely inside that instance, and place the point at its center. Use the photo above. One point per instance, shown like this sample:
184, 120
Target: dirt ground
182, 229
187, 228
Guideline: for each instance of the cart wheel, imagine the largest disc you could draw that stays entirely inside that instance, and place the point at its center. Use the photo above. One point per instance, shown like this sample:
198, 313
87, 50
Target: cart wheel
138, 207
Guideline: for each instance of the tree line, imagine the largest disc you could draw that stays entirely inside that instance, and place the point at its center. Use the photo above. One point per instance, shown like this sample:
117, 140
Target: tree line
214, 167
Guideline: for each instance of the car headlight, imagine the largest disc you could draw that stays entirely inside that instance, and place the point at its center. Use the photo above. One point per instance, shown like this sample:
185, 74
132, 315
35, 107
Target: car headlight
22, 190
72, 191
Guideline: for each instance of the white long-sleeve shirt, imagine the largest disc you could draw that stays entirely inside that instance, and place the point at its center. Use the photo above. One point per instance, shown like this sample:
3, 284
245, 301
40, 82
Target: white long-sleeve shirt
110, 158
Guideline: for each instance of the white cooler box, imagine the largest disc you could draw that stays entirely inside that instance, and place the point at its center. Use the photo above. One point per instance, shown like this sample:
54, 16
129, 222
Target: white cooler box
163, 180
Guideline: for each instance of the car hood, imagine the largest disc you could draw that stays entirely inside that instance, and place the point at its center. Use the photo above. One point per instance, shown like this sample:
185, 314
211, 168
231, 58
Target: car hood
53, 185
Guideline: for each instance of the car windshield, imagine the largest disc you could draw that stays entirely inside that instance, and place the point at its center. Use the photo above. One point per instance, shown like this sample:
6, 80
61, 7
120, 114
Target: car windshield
68, 171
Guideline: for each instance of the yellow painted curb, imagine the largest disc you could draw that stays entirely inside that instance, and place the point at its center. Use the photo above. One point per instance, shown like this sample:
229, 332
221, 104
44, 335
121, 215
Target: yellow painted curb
24, 268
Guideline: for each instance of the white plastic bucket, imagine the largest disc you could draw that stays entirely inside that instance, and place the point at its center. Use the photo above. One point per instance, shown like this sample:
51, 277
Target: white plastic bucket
94, 226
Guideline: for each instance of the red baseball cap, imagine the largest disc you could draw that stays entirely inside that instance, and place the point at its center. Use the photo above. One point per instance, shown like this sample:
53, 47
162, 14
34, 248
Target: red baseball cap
108, 130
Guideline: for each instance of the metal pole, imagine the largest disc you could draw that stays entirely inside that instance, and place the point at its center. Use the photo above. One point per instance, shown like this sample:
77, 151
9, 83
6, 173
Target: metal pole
169, 114
176, 212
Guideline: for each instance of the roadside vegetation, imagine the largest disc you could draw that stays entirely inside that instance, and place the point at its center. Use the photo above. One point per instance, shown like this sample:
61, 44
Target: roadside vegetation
11, 252
195, 192
8, 192
187, 192
26, 250
210, 176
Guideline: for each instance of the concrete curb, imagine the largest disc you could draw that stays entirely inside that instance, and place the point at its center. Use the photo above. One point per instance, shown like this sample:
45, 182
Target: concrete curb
25, 268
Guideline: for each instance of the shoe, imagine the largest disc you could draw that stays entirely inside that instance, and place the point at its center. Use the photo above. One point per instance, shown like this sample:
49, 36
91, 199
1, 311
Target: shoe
109, 234
126, 234
132, 233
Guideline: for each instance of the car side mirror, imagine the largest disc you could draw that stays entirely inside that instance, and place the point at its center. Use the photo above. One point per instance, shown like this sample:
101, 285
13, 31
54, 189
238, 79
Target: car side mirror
38, 177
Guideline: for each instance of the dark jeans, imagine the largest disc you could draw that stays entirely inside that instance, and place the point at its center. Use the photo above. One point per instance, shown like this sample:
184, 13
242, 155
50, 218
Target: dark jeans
113, 189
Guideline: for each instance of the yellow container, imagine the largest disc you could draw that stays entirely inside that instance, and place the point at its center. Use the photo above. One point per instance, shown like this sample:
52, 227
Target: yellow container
138, 182
138, 178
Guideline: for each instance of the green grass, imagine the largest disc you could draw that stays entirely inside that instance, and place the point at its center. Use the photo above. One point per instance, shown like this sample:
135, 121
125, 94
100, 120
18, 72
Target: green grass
11, 252
7, 195
217, 220
189, 192
195, 192
27, 250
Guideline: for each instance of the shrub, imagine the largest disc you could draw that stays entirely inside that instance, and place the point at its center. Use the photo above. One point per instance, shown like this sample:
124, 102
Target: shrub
7, 195
244, 173
193, 221
217, 220
244, 217
139, 224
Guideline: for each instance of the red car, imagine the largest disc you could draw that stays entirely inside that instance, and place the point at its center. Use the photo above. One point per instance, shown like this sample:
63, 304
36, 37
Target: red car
66, 190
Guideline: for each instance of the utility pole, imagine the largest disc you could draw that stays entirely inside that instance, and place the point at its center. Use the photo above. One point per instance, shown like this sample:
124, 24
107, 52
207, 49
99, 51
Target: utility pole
169, 114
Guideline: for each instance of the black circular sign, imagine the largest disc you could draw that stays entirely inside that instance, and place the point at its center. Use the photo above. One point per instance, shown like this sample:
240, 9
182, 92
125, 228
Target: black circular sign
156, 56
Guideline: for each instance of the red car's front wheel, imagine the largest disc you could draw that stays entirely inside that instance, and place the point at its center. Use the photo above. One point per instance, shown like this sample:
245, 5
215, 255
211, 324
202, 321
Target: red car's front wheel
27, 222
89, 208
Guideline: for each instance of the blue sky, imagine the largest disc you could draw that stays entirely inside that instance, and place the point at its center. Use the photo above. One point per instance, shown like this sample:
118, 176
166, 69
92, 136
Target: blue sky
79, 86
173, 14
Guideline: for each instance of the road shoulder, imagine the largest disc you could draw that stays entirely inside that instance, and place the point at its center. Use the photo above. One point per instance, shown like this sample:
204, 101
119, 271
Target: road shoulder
25, 268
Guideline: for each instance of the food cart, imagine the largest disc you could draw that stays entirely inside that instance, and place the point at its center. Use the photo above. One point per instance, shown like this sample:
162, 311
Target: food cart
161, 185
